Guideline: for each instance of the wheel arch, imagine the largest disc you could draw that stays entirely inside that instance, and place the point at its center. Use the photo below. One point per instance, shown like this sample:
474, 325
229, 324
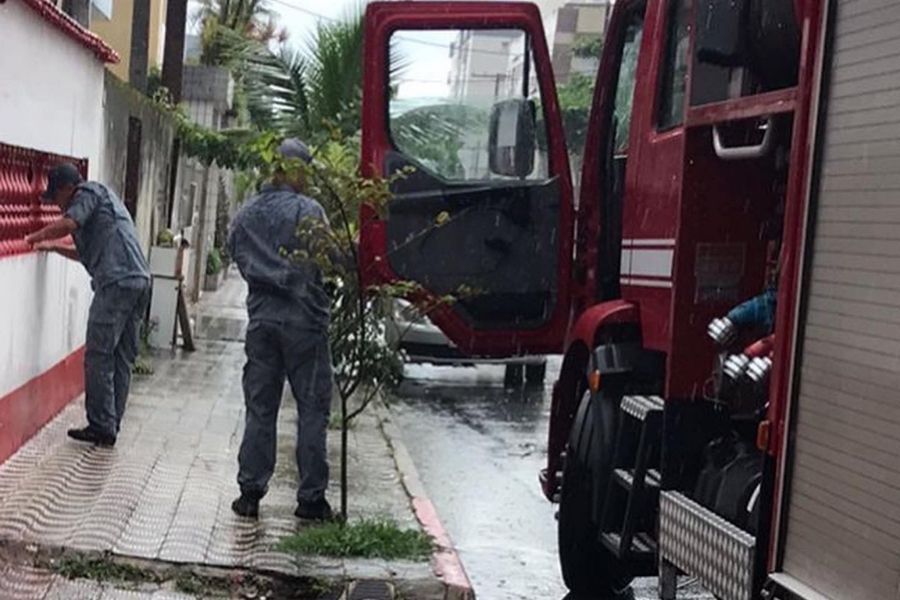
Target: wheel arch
586, 335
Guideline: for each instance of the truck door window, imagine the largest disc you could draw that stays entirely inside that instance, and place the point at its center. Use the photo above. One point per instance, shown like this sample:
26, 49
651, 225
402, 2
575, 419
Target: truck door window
615, 153
673, 78
625, 86
444, 85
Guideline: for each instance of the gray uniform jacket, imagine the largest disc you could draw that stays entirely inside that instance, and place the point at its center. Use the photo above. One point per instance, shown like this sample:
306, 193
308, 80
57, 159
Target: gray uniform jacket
282, 290
106, 239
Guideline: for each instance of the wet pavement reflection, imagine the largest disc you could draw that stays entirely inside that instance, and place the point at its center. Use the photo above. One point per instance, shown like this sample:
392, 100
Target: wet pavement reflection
478, 448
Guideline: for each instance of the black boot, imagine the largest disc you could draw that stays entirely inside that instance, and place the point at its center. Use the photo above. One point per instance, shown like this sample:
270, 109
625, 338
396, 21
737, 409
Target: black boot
319, 510
91, 435
247, 505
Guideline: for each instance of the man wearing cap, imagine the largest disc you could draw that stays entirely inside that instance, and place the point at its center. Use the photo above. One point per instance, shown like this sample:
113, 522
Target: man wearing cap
286, 337
106, 244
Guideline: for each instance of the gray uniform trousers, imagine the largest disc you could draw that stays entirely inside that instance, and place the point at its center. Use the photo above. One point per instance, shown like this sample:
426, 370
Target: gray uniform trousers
275, 350
111, 347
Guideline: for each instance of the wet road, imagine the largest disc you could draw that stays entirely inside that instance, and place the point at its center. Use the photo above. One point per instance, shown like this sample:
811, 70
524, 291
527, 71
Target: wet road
478, 449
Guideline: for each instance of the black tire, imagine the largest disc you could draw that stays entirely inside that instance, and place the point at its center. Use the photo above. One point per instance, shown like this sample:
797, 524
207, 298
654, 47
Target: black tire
512, 376
535, 374
588, 569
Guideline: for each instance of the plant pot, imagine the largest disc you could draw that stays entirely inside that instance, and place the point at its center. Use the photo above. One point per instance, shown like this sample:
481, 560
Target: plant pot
211, 282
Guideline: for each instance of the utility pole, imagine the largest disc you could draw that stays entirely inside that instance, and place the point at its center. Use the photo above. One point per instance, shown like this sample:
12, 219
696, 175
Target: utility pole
140, 45
200, 242
172, 74
173, 56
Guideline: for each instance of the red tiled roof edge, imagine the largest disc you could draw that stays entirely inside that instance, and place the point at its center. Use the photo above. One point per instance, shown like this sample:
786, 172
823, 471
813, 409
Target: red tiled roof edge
70, 27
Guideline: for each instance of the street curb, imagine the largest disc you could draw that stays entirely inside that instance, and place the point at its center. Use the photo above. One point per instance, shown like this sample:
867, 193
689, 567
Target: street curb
445, 561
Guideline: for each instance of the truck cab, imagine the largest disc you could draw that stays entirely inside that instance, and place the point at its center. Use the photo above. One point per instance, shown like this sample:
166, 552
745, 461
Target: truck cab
670, 284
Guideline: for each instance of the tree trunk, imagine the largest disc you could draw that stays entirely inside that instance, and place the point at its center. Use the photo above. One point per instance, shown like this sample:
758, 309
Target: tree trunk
140, 45
200, 241
173, 57
344, 443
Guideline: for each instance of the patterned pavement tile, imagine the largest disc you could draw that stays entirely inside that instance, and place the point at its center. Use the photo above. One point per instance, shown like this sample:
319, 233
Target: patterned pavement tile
23, 583
165, 490
63, 589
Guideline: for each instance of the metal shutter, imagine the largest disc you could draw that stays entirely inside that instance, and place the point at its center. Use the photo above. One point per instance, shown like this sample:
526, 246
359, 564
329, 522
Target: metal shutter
843, 529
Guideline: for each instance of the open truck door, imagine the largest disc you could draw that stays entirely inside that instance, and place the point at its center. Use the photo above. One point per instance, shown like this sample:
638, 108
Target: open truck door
461, 95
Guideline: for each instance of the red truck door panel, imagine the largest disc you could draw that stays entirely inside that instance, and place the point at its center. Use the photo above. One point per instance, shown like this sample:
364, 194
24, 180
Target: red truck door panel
446, 85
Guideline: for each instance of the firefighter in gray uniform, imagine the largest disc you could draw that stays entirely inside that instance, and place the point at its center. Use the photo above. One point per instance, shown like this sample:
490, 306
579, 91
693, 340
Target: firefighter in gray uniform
286, 337
106, 243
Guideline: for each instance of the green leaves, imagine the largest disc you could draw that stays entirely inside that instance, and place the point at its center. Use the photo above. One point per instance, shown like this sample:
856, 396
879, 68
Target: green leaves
367, 538
299, 91
239, 149
575, 100
588, 46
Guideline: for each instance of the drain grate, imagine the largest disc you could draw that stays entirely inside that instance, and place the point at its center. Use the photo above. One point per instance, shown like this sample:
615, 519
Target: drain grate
369, 589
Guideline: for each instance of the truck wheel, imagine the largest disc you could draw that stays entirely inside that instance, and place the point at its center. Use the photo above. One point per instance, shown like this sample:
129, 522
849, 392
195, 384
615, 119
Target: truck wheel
512, 376
587, 567
535, 374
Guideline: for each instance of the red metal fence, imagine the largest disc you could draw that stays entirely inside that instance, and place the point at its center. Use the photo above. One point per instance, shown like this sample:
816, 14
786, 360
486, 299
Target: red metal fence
23, 176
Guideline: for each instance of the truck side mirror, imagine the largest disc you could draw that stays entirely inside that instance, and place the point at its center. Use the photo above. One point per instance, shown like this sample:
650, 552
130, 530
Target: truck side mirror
722, 32
511, 137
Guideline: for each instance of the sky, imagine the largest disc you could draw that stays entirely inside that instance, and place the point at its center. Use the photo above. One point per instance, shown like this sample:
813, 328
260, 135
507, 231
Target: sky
426, 76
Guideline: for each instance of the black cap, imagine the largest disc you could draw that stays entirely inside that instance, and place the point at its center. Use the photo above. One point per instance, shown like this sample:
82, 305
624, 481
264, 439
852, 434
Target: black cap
61, 175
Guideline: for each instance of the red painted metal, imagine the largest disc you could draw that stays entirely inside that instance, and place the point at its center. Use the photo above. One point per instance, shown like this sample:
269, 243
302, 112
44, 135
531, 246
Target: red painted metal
382, 19
588, 222
23, 176
678, 195
652, 203
761, 347
595, 317
769, 103
93, 42
566, 396
795, 220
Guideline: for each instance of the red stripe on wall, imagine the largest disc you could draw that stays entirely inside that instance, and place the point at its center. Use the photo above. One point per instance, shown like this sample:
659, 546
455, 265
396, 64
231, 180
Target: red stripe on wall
25, 410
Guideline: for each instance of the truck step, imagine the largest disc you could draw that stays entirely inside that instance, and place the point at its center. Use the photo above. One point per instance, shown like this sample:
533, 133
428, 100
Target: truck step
700, 543
625, 478
640, 407
643, 546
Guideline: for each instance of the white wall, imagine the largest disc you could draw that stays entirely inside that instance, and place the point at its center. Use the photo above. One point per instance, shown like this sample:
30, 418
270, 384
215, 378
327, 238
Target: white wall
51, 99
44, 310
51, 87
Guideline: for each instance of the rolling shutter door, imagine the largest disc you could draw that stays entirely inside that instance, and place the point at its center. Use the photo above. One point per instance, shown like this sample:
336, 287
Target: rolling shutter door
843, 528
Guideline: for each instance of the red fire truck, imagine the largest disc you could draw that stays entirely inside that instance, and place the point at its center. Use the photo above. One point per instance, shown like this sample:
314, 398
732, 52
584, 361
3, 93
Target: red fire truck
724, 290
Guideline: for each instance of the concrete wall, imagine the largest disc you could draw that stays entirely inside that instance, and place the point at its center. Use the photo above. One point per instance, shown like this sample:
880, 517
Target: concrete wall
51, 88
51, 100
116, 31
44, 320
121, 103
208, 95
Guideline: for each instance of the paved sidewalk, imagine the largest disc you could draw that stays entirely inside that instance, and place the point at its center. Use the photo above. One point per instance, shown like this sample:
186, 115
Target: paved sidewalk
164, 491
28, 582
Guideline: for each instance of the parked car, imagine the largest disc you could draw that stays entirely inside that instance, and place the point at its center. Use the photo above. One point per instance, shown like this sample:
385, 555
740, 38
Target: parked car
423, 342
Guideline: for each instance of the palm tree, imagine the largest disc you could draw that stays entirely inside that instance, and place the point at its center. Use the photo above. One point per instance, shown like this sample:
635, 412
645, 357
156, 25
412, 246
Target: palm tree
234, 30
302, 90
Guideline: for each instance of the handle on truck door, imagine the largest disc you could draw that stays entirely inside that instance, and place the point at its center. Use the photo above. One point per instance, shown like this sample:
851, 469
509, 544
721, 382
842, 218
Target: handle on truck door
744, 152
